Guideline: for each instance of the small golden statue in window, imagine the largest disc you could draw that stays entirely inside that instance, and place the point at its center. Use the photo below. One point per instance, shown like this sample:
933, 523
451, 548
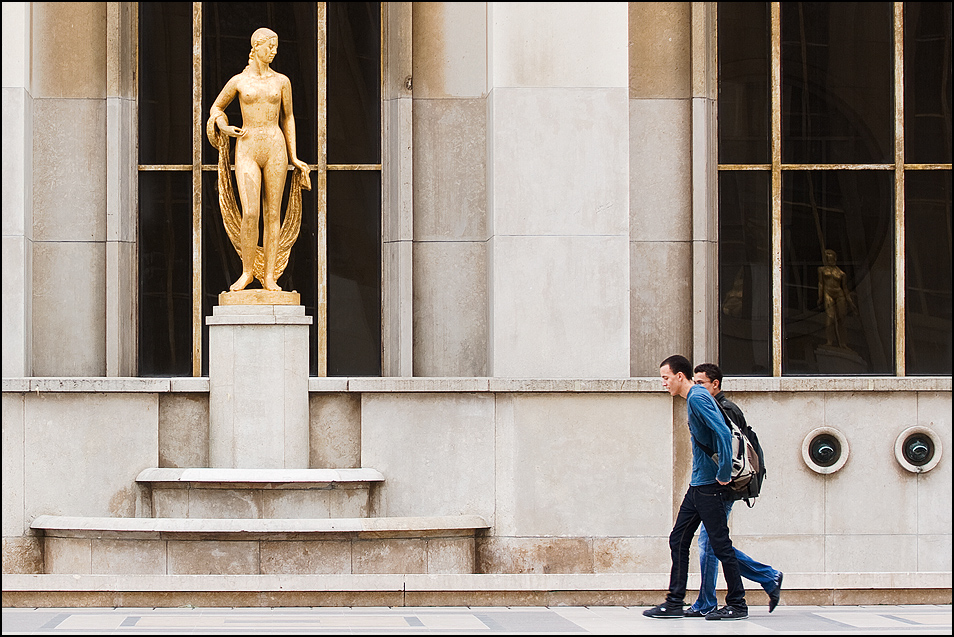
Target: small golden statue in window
265, 144
833, 293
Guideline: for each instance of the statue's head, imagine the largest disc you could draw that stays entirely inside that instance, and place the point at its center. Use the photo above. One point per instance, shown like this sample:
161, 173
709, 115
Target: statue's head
262, 34
830, 257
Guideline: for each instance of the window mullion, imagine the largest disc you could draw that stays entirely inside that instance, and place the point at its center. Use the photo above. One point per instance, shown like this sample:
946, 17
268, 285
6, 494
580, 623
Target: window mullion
319, 183
776, 238
899, 252
197, 188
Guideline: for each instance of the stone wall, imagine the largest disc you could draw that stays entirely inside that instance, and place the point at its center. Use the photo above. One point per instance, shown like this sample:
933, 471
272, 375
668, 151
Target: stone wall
573, 476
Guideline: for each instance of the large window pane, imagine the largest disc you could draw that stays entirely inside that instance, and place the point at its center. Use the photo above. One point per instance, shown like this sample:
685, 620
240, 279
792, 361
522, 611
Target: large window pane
745, 275
227, 33
165, 273
354, 82
354, 273
837, 310
744, 100
165, 83
837, 82
927, 82
928, 254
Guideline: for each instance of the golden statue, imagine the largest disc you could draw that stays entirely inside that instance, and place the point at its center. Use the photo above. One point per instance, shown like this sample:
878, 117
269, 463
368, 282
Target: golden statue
833, 292
265, 144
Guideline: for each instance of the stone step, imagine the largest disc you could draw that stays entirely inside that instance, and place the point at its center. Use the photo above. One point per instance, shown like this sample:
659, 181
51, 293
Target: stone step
195, 546
490, 589
258, 493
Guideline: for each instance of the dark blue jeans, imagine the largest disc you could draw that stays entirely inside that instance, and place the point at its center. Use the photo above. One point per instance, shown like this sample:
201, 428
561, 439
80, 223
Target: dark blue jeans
703, 505
709, 565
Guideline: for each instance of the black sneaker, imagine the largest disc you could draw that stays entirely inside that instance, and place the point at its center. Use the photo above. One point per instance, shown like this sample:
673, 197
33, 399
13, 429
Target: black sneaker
776, 593
729, 612
692, 612
665, 611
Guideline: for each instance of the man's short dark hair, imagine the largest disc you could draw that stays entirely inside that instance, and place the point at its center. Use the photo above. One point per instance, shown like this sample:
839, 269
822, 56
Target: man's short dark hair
678, 363
711, 370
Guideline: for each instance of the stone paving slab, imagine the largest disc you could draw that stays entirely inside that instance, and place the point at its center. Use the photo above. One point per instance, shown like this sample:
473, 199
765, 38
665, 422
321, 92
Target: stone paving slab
831, 620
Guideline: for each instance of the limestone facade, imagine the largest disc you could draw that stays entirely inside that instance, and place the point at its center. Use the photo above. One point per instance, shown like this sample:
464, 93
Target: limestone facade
549, 235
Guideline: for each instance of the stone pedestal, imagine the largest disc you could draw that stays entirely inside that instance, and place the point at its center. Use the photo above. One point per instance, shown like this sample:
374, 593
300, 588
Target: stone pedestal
258, 387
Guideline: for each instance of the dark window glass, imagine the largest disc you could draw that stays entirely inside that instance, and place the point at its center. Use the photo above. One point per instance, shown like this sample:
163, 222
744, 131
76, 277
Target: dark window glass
927, 82
165, 273
165, 83
354, 82
837, 314
744, 99
354, 199
354, 273
745, 273
928, 254
837, 82
228, 29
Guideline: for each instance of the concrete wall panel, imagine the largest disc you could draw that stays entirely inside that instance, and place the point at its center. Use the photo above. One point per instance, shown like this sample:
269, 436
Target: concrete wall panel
82, 452
436, 452
450, 309
69, 308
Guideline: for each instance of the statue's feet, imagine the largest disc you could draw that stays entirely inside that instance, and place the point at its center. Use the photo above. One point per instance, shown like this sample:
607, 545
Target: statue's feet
270, 284
242, 282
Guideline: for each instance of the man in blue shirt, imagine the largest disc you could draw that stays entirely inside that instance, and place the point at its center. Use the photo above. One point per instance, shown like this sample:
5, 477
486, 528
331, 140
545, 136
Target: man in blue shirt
709, 375
704, 501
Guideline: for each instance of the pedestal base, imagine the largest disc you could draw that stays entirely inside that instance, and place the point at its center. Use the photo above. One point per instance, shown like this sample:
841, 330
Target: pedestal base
259, 297
258, 386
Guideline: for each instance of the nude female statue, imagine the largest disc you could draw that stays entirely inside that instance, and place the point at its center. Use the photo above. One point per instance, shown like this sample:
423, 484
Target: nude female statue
262, 152
833, 292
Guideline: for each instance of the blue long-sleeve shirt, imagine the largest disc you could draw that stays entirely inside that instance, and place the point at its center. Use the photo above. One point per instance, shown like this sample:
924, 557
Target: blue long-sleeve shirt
709, 428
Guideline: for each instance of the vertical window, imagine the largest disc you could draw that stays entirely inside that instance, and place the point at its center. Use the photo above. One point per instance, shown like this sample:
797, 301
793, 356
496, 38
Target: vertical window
331, 53
835, 191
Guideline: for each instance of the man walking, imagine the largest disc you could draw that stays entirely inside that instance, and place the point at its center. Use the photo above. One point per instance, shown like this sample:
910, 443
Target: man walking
704, 500
709, 376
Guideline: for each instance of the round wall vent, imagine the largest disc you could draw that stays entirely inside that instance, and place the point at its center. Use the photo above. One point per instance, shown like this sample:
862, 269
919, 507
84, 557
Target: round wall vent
825, 450
918, 449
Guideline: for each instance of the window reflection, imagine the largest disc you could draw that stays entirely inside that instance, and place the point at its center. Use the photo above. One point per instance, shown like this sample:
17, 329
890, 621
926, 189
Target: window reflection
927, 82
165, 273
745, 274
744, 101
837, 272
837, 82
928, 254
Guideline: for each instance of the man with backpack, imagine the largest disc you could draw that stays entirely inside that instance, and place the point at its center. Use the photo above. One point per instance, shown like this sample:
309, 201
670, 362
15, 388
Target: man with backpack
704, 501
709, 376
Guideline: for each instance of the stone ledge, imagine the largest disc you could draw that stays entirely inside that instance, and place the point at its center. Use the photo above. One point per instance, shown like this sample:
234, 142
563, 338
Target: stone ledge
257, 478
457, 582
254, 528
492, 385
444, 590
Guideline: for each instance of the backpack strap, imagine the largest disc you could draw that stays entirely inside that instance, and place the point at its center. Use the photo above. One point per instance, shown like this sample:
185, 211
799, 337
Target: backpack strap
708, 450
728, 423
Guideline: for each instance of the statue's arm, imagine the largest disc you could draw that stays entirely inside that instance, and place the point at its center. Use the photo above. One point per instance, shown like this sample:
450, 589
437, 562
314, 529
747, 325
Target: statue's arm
288, 126
844, 288
217, 112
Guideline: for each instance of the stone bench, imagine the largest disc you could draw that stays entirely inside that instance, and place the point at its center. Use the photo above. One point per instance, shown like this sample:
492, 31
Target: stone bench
196, 546
258, 493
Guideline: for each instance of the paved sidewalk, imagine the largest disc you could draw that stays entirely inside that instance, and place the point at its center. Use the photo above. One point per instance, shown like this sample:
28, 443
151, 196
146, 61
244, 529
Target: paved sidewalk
618, 620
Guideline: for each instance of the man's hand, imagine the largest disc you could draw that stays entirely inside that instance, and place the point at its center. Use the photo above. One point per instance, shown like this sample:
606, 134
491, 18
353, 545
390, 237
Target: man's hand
721, 482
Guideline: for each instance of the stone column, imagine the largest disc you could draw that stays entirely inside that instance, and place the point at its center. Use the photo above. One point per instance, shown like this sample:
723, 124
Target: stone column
258, 386
17, 192
558, 206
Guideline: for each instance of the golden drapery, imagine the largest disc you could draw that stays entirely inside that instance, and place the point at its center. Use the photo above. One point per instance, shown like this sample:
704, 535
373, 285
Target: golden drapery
232, 215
